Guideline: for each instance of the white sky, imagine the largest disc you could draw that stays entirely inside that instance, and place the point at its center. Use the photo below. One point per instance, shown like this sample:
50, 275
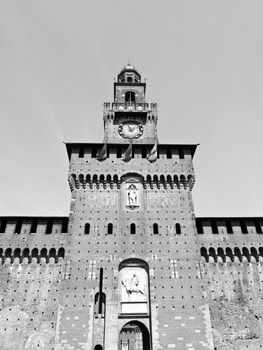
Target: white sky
203, 61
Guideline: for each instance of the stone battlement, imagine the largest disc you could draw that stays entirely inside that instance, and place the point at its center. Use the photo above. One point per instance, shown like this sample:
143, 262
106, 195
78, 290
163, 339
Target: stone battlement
165, 151
229, 225
31, 225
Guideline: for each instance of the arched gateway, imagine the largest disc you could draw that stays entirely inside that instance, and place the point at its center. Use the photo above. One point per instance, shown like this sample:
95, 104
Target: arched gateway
134, 336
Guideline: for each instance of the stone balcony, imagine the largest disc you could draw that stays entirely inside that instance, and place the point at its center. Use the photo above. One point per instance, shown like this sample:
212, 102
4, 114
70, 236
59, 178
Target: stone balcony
128, 107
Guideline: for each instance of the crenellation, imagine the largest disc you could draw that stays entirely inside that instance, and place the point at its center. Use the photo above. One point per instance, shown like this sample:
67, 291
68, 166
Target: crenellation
89, 151
229, 226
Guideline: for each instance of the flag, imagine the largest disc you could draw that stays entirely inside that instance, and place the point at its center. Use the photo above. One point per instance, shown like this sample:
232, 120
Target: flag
127, 155
152, 156
102, 154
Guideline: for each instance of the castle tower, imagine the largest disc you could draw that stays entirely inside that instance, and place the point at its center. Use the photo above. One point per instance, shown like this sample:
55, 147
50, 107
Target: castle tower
132, 279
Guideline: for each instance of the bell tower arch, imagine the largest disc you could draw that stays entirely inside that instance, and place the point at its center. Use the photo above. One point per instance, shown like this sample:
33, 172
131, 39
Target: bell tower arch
130, 118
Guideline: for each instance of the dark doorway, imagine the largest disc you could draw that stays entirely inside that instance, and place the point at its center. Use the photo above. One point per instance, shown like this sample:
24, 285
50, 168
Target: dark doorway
98, 347
134, 336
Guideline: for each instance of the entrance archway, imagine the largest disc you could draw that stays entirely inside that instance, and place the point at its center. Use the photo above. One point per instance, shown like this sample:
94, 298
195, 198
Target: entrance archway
98, 347
134, 336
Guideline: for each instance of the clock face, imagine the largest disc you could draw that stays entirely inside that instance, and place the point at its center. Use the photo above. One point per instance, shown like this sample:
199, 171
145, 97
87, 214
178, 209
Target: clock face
131, 130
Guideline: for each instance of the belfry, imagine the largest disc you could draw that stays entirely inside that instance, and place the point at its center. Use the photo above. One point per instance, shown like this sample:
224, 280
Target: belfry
131, 267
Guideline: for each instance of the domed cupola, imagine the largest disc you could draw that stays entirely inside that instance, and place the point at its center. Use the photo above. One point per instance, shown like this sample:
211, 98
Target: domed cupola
129, 75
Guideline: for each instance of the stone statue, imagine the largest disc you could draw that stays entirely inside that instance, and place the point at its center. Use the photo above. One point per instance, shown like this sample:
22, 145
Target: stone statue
132, 195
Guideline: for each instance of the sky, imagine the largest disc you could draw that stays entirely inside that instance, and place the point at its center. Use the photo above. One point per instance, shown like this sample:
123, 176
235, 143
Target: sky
203, 64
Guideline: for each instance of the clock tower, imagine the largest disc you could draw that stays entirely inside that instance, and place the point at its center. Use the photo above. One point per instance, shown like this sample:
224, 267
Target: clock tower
130, 118
132, 279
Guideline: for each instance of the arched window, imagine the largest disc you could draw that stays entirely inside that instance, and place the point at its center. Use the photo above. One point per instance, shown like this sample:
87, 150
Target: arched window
26, 253
61, 252
204, 253
220, 252
230, 254
178, 229
130, 97
245, 252
155, 229
110, 229
17, 253
212, 253
52, 253
35, 253
254, 253
133, 229
43, 253
86, 228
8, 253
129, 79
238, 253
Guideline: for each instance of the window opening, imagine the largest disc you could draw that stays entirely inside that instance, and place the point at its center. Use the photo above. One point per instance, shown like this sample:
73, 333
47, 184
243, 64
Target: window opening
61, 252
8, 253
35, 253
17, 253
52, 253
87, 229
178, 229
110, 229
155, 229
130, 97
133, 229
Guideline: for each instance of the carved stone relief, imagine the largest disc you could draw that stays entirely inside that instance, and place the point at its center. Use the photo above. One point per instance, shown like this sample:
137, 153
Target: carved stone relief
102, 201
133, 288
161, 201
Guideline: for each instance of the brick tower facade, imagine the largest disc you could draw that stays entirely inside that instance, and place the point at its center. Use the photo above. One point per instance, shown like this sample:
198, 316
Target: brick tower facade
133, 277
131, 267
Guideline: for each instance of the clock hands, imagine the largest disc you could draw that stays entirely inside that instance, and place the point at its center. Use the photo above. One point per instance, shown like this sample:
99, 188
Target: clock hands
130, 128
